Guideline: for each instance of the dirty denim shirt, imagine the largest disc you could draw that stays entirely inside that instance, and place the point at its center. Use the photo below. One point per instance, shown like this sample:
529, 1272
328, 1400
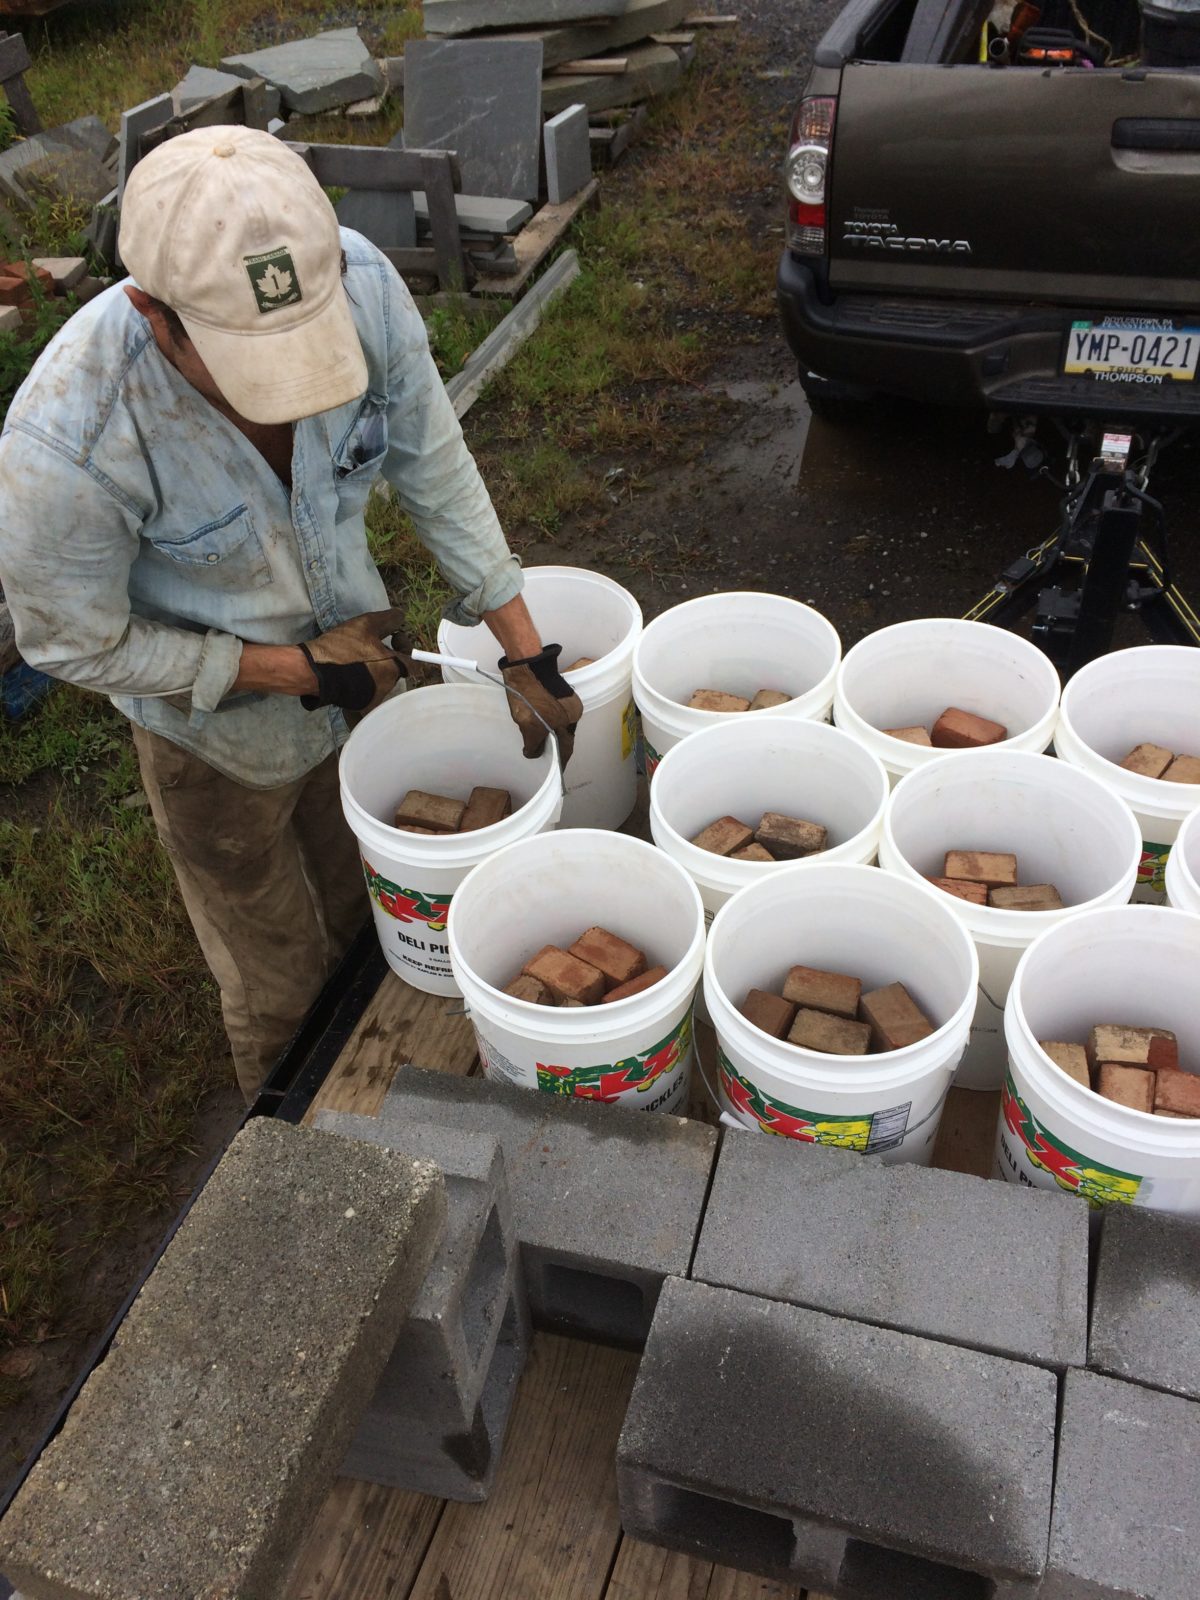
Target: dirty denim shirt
142, 536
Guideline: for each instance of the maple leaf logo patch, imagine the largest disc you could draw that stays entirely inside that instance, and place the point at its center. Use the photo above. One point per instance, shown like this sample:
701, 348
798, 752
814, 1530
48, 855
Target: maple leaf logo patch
273, 278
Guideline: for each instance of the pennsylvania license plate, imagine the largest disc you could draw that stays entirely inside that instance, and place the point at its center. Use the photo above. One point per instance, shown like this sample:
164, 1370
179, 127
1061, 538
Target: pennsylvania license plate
1122, 349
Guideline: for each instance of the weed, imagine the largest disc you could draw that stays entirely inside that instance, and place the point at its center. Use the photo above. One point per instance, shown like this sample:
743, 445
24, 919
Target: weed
456, 329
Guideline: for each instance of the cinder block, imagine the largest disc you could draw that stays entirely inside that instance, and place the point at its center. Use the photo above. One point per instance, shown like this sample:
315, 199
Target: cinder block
1126, 1520
607, 1202
438, 1417
868, 1464
1146, 1302
205, 1442
942, 1254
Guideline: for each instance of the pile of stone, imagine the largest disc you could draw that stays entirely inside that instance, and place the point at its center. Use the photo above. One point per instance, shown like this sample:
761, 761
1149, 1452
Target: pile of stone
776, 838
73, 165
955, 729
1134, 1067
828, 1012
989, 878
597, 969
440, 814
1153, 761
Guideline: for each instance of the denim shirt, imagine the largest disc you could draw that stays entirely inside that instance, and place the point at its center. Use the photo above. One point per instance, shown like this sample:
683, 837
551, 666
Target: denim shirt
143, 537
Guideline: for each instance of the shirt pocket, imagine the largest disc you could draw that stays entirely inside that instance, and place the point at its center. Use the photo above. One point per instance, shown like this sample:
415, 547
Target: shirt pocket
360, 455
228, 550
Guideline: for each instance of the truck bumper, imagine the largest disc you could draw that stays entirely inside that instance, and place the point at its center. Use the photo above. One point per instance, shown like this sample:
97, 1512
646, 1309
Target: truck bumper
959, 352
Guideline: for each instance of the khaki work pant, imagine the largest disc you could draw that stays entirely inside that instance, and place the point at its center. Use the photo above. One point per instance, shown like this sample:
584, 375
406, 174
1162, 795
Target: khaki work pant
272, 883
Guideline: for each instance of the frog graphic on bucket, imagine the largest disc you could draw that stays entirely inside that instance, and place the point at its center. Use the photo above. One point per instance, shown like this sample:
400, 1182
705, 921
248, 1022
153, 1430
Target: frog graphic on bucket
641, 1072
1099, 1185
773, 1116
406, 905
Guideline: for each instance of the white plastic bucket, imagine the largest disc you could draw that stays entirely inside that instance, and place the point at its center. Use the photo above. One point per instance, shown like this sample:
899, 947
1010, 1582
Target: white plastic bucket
747, 765
589, 615
907, 675
1063, 826
872, 925
1149, 695
637, 1052
1183, 867
740, 642
445, 739
1136, 965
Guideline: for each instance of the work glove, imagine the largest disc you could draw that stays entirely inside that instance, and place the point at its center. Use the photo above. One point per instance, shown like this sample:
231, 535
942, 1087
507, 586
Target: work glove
353, 666
539, 696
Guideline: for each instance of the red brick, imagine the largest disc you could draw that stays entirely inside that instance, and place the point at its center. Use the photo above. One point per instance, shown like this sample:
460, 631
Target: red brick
28, 274
527, 987
1126, 1086
912, 735
833, 1036
408, 827
817, 990
1177, 1094
724, 836
617, 959
435, 811
962, 730
15, 292
646, 980
789, 838
895, 1017
963, 889
485, 808
566, 976
1025, 897
766, 698
1133, 1047
1148, 760
770, 1012
753, 852
990, 867
717, 700
584, 661
1071, 1058
1184, 769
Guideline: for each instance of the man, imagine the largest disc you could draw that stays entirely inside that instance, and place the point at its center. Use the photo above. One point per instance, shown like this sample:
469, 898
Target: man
183, 478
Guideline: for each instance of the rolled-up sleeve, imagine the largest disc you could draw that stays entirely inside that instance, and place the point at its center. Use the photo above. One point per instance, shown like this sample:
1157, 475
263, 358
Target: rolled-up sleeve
435, 476
67, 544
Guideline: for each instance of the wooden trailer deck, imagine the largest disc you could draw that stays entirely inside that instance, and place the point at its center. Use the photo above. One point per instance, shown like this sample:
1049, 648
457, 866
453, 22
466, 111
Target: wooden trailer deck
550, 1530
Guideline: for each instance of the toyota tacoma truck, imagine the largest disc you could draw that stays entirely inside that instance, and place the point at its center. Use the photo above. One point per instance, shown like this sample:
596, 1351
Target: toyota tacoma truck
997, 205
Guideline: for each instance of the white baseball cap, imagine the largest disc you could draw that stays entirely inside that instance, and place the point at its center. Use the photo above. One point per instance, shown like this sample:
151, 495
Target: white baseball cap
229, 228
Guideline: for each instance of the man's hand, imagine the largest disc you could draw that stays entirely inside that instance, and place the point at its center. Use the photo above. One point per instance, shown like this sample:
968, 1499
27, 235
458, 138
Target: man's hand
352, 666
551, 701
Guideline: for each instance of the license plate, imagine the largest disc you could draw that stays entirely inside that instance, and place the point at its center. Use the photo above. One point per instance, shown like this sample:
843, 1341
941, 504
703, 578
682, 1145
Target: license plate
1130, 351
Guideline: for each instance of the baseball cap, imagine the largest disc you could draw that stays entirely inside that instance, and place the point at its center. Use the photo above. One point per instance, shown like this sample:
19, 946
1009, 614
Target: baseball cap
229, 228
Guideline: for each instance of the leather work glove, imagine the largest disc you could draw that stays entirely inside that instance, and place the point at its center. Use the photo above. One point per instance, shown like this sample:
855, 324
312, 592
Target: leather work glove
551, 698
354, 668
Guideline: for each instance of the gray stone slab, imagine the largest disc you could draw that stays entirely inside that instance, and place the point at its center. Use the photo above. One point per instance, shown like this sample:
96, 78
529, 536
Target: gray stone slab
855, 1460
465, 16
89, 134
483, 101
478, 213
653, 69
69, 174
201, 1448
331, 69
941, 1254
14, 160
1146, 1303
1126, 1495
384, 216
202, 83
135, 122
607, 1201
638, 21
568, 154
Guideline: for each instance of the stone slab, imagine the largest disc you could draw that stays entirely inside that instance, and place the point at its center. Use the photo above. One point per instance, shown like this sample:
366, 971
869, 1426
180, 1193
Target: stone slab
854, 1460
483, 101
66, 271
1146, 1302
204, 1443
638, 21
1126, 1496
478, 213
942, 1254
466, 16
331, 69
202, 83
568, 154
64, 155
653, 69
607, 1201
10, 319
139, 119
384, 216
89, 133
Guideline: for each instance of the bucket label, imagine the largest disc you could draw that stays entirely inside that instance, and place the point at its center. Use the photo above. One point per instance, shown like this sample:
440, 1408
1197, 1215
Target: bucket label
629, 731
883, 1130
1153, 866
1077, 1174
652, 755
406, 905
643, 1074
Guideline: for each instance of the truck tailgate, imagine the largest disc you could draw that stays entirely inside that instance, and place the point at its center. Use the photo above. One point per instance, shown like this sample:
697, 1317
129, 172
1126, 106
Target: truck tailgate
1018, 183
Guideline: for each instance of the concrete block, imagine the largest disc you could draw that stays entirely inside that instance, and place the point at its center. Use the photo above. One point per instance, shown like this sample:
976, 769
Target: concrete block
437, 1420
577, 42
653, 69
1126, 1520
482, 100
855, 1460
331, 69
384, 216
607, 1201
465, 16
568, 154
942, 1254
67, 271
202, 83
201, 1448
1146, 1303
10, 319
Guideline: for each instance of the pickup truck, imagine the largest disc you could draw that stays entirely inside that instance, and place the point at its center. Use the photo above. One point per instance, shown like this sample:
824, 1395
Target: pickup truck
992, 207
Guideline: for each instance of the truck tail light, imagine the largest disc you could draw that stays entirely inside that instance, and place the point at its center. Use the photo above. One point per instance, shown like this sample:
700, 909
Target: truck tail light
806, 173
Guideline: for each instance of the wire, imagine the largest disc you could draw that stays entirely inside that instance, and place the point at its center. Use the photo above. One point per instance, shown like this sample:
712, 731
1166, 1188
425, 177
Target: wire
1088, 34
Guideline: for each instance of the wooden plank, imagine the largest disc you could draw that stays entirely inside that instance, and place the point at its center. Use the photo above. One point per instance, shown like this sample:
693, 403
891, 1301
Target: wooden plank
400, 1024
673, 38
368, 1541
498, 349
9, 654
364, 166
14, 61
966, 1140
629, 132
536, 240
711, 22
579, 69
551, 1527
439, 184
644, 1572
